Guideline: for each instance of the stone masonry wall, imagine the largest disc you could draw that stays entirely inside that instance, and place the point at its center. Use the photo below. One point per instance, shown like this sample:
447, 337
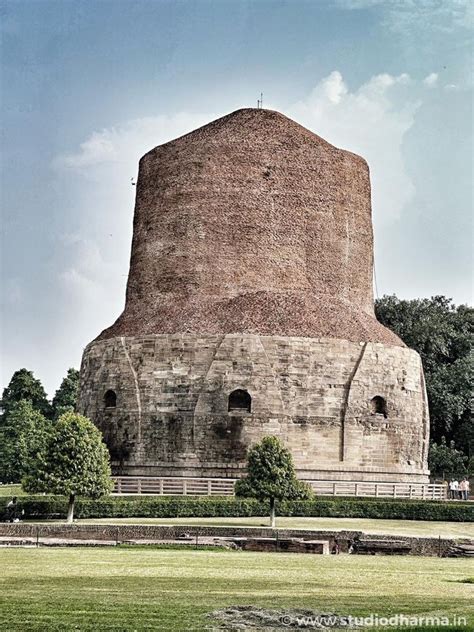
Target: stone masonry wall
172, 417
122, 533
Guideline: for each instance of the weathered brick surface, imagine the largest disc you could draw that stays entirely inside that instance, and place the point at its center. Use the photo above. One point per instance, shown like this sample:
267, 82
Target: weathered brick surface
172, 404
251, 268
252, 224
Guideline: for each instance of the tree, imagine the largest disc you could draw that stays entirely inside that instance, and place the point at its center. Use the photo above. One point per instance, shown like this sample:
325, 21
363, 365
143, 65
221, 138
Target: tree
24, 385
445, 461
271, 475
449, 391
470, 467
22, 436
73, 461
465, 437
442, 334
65, 398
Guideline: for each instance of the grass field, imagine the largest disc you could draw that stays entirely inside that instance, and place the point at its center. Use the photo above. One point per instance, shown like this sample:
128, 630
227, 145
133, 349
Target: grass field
146, 589
11, 490
396, 527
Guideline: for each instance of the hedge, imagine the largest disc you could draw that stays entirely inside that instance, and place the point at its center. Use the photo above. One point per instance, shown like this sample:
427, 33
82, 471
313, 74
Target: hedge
50, 507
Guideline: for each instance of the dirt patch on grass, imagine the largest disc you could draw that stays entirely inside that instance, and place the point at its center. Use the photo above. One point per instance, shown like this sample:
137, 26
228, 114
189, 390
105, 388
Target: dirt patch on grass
265, 620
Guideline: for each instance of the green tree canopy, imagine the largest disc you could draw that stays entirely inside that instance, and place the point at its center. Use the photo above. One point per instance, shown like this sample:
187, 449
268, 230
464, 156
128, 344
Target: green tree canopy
24, 385
73, 461
271, 475
65, 398
470, 467
443, 335
447, 462
464, 438
22, 436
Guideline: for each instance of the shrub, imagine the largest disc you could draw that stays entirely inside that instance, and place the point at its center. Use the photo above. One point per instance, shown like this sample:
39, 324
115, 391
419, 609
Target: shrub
43, 507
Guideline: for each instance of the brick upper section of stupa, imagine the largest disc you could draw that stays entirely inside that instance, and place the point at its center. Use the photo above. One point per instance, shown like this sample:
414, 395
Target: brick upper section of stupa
252, 224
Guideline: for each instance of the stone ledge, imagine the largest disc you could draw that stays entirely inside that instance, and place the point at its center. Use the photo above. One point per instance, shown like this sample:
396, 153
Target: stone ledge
112, 533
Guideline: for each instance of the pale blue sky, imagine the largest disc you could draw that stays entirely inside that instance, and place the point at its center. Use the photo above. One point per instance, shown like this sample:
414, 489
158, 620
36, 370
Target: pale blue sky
89, 86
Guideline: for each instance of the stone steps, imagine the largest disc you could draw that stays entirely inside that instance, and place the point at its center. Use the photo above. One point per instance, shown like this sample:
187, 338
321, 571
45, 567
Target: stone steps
461, 550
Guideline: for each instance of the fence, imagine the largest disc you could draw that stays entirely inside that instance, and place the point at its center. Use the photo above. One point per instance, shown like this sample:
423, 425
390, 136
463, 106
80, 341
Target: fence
418, 491
174, 486
225, 487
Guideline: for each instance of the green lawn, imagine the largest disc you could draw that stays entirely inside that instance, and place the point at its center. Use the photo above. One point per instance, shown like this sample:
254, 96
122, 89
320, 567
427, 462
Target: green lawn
11, 490
395, 527
149, 589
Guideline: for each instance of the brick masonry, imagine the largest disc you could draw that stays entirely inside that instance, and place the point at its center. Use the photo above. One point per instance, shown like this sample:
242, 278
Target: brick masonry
252, 224
251, 268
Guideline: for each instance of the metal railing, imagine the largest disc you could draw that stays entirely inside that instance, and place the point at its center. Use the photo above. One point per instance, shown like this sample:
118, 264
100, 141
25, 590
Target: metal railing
177, 486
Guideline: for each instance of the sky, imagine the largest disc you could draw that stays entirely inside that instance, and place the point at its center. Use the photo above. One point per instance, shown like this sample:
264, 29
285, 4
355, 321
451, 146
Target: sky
90, 86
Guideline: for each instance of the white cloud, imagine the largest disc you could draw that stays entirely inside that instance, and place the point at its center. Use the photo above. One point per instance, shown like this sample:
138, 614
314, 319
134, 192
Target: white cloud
125, 144
96, 251
371, 121
87, 273
401, 15
98, 148
359, 4
431, 80
333, 88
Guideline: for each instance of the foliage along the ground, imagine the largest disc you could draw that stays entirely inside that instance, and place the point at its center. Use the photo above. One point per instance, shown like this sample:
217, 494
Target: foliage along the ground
55, 507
